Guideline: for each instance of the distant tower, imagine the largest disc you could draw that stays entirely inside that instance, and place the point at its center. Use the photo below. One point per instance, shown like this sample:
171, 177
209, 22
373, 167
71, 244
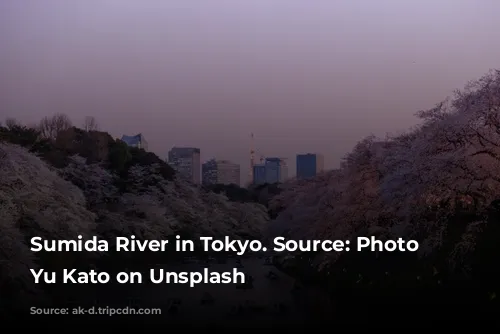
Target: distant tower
252, 158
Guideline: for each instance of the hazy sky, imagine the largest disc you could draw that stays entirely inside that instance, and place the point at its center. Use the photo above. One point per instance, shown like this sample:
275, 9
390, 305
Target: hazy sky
303, 75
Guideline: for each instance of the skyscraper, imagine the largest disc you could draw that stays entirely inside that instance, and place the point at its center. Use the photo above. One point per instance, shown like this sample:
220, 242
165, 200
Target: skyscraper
136, 141
309, 165
273, 170
259, 174
220, 172
186, 161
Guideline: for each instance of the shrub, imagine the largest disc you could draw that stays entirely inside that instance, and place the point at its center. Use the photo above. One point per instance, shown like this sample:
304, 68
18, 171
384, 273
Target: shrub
119, 156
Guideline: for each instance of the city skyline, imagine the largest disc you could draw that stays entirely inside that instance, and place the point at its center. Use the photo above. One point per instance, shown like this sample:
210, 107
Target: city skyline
258, 157
210, 166
222, 171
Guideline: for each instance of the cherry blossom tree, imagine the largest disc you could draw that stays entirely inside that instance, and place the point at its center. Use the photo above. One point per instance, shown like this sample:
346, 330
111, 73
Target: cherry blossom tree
408, 185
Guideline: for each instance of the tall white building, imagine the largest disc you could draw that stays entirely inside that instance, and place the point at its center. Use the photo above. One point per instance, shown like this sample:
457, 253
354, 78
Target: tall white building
186, 162
220, 172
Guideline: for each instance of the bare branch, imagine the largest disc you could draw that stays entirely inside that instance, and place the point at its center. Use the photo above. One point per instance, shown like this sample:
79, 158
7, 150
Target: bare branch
51, 127
11, 123
90, 124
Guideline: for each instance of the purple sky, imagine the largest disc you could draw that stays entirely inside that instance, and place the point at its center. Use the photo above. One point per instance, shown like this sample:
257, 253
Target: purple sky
304, 76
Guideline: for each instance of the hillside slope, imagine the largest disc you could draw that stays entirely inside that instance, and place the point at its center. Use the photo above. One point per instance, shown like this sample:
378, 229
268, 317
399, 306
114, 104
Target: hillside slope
55, 193
438, 184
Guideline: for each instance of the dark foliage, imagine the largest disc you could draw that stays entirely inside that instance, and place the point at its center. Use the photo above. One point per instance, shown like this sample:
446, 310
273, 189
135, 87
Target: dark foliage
142, 158
20, 135
259, 194
95, 146
233, 192
406, 286
119, 156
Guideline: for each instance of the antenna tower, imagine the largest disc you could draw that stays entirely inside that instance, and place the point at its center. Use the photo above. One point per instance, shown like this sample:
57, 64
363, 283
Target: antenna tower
252, 158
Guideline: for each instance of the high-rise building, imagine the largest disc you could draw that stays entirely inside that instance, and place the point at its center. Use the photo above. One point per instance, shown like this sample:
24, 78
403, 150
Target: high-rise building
273, 170
209, 172
136, 141
259, 174
283, 171
309, 165
220, 172
186, 161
